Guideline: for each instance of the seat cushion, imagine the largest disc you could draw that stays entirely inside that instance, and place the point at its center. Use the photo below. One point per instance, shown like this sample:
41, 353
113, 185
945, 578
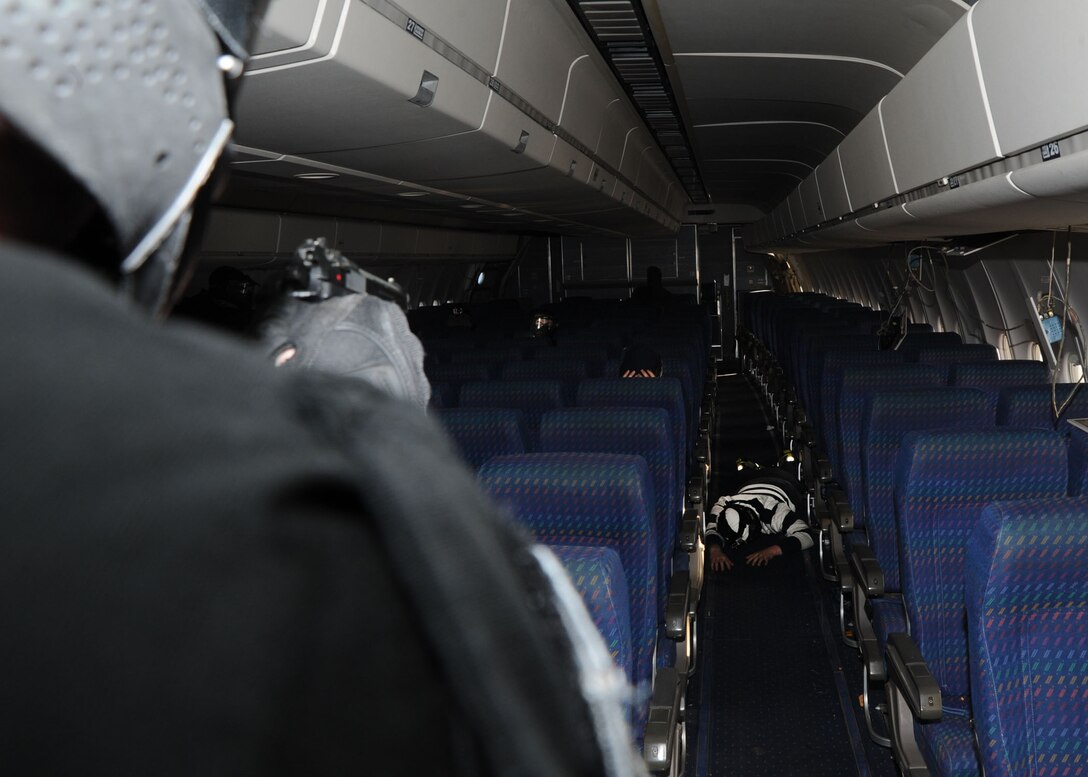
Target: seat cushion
888, 617
949, 747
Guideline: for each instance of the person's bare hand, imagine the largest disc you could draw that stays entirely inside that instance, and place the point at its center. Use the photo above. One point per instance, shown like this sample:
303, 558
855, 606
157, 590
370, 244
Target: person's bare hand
761, 557
719, 562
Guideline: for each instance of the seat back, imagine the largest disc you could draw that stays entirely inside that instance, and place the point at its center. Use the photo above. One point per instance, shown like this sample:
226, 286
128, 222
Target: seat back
833, 364
595, 500
458, 373
992, 376
483, 432
665, 393
532, 397
598, 575
1078, 458
915, 341
1032, 407
954, 354
636, 431
854, 386
813, 368
943, 481
889, 416
1027, 622
568, 371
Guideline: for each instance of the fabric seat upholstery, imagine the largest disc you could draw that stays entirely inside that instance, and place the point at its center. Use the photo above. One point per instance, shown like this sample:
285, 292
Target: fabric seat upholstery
943, 482
1027, 620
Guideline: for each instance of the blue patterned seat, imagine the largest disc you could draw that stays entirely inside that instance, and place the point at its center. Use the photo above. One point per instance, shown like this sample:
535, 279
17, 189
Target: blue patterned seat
599, 577
483, 432
1032, 407
800, 340
947, 356
495, 355
569, 371
915, 341
686, 350
813, 367
1027, 623
444, 394
833, 364
532, 397
665, 393
889, 416
545, 369
637, 431
460, 372
593, 355
992, 376
593, 500
676, 367
943, 482
855, 385
1078, 458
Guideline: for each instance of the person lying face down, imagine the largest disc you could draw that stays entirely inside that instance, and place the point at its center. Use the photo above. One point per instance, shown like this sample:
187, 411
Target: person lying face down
757, 524
640, 361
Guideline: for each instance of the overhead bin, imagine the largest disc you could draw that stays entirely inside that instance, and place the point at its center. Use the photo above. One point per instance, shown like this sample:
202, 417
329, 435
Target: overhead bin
797, 211
810, 199
1034, 69
358, 93
936, 118
515, 107
833, 194
865, 163
1065, 178
972, 145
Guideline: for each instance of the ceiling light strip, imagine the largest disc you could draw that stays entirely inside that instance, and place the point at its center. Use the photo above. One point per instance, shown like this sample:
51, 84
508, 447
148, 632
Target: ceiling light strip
637, 65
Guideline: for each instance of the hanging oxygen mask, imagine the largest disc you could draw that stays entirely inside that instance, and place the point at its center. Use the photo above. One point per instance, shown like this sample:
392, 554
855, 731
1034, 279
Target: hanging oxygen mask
892, 331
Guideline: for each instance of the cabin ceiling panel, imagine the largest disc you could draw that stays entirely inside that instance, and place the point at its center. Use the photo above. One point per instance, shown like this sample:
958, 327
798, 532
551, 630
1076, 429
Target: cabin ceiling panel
854, 86
814, 141
776, 80
894, 33
708, 110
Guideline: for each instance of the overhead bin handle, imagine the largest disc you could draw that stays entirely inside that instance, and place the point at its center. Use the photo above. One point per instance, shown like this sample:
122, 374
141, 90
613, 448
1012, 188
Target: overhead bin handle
428, 86
523, 142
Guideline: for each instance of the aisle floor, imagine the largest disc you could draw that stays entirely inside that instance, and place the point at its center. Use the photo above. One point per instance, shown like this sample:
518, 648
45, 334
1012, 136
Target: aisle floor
775, 692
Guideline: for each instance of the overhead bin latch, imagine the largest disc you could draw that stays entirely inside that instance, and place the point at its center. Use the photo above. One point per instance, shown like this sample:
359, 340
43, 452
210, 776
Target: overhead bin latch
523, 141
428, 85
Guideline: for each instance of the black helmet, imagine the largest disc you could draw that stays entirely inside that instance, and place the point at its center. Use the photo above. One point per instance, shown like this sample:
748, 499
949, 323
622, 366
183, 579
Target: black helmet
130, 98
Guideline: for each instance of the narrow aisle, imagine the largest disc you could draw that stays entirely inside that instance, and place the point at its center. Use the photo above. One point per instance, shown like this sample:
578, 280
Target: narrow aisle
770, 696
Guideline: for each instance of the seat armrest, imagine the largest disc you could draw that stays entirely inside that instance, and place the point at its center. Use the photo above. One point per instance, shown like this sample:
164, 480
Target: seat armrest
690, 530
868, 581
842, 514
702, 449
677, 606
867, 571
907, 669
696, 490
659, 748
913, 697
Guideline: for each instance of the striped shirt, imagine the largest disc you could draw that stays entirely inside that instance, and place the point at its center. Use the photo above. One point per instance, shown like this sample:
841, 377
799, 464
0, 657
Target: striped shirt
758, 508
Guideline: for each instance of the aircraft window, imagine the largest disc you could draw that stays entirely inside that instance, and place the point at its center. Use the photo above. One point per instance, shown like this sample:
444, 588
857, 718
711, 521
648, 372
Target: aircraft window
1074, 368
1004, 348
480, 279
